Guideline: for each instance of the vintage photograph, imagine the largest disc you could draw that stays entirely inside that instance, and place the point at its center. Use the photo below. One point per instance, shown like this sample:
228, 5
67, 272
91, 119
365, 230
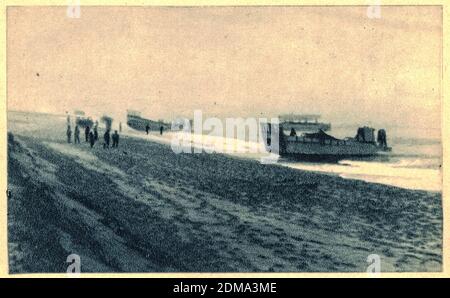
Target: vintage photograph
239, 139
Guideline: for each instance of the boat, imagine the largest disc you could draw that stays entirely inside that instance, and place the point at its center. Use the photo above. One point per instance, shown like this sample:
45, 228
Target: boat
303, 122
320, 146
137, 122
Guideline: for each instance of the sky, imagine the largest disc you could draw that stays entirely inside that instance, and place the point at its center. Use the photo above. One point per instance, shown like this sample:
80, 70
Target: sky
167, 62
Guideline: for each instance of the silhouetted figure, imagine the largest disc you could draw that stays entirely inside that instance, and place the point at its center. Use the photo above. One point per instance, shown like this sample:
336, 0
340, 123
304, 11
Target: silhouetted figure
120, 126
77, 135
147, 128
86, 133
115, 139
95, 133
91, 139
106, 137
293, 132
161, 129
69, 134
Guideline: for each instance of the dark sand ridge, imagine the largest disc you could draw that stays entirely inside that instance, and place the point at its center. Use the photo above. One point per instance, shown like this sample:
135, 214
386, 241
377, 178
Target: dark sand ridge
143, 208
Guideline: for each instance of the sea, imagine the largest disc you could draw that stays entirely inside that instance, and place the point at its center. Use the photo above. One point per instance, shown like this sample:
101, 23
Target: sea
414, 163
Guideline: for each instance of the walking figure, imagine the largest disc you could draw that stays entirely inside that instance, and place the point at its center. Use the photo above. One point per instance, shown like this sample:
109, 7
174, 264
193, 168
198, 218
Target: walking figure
115, 139
77, 135
161, 130
147, 128
69, 134
91, 139
86, 133
106, 137
95, 133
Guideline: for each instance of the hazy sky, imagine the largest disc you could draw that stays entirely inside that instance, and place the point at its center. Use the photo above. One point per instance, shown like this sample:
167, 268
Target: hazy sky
229, 62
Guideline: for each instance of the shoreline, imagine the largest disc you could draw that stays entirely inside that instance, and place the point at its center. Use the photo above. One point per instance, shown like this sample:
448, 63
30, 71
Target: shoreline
143, 208
291, 164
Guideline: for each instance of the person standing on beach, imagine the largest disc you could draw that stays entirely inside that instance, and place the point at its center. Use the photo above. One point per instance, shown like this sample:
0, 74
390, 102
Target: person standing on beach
69, 134
161, 130
147, 128
95, 133
86, 133
120, 126
91, 139
77, 135
115, 139
106, 137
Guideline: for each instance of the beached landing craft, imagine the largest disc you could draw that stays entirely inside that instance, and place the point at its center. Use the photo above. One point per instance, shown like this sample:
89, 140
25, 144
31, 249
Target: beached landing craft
135, 121
320, 146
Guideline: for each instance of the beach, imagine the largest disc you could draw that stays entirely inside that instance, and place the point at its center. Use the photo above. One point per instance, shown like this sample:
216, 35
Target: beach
143, 208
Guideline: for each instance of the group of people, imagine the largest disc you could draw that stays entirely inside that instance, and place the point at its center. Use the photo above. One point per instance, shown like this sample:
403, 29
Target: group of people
91, 136
147, 129
107, 137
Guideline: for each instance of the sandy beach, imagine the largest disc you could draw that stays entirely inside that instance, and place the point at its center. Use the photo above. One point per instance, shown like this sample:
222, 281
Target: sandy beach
143, 208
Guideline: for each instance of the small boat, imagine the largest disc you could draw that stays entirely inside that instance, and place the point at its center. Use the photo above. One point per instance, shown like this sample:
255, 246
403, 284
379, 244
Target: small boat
135, 121
308, 123
320, 146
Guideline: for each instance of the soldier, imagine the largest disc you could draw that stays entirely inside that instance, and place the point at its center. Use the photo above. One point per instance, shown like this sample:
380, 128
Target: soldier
86, 133
69, 134
147, 128
91, 139
77, 135
106, 137
95, 132
115, 138
161, 130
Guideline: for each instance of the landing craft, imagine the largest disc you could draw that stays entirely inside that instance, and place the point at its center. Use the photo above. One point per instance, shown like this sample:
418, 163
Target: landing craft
320, 146
135, 121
